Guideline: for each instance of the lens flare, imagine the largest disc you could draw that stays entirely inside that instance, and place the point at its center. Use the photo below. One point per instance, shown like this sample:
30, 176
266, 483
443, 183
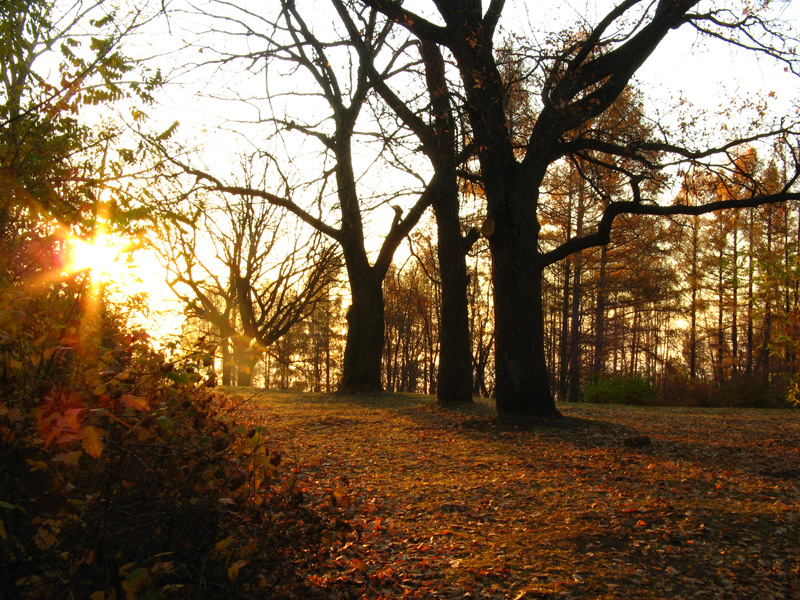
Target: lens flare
102, 256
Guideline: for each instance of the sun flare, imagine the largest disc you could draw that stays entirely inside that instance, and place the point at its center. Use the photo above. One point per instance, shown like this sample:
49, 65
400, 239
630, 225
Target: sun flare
126, 270
103, 256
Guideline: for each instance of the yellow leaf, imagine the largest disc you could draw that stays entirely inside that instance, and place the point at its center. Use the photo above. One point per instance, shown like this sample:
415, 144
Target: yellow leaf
98, 596
135, 402
222, 544
233, 570
3, 533
92, 443
135, 582
359, 564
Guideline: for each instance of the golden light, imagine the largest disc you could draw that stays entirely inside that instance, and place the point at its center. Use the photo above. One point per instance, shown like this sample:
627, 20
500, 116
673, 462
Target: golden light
103, 256
124, 268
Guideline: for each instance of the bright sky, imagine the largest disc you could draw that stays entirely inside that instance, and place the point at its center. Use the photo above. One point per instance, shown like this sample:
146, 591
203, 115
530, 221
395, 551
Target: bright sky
707, 74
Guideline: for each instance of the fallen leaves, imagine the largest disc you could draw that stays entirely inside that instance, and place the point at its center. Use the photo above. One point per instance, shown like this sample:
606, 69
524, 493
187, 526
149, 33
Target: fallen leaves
448, 504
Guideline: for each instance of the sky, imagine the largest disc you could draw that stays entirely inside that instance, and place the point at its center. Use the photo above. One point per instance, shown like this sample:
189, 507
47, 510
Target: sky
706, 74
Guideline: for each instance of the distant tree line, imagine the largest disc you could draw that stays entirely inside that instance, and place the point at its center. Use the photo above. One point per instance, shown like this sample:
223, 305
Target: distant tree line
700, 306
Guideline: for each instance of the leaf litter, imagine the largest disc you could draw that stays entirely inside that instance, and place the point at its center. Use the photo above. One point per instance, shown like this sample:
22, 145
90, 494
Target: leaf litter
449, 503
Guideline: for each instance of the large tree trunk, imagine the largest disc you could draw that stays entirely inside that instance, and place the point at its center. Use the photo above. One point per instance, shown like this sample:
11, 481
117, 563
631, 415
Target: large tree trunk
454, 382
455, 351
523, 385
455, 355
245, 359
361, 369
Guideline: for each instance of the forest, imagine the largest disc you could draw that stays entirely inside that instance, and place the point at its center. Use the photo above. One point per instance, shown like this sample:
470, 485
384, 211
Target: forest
510, 255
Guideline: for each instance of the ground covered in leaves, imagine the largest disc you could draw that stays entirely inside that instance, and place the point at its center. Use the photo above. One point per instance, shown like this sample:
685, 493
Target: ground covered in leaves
449, 504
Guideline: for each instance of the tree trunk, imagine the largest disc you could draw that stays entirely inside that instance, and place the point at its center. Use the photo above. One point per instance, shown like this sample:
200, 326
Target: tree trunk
573, 394
563, 353
720, 370
750, 289
522, 387
735, 297
327, 359
455, 351
246, 360
228, 368
600, 317
454, 381
694, 282
361, 369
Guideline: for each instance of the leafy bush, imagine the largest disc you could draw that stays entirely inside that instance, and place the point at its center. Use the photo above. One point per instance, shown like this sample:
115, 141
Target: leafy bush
123, 476
620, 389
681, 390
751, 393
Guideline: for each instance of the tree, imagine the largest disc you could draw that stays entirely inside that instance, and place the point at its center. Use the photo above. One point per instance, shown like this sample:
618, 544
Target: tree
242, 273
63, 172
56, 171
439, 137
333, 69
580, 78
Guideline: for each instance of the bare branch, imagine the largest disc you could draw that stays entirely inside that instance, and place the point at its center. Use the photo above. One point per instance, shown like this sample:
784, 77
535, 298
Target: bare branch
602, 235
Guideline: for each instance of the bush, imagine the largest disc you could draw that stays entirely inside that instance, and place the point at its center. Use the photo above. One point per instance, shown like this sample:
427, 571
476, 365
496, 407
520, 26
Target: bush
681, 391
620, 389
123, 476
747, 392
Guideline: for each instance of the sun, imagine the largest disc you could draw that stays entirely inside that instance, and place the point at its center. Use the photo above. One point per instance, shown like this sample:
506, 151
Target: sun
127, 269
103, 256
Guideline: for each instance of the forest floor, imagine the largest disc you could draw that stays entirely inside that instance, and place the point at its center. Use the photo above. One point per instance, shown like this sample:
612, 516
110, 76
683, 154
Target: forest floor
451, 504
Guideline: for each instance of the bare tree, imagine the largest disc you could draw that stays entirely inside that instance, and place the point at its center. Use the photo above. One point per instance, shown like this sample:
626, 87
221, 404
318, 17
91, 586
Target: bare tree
579, 78
332, 191
242, 273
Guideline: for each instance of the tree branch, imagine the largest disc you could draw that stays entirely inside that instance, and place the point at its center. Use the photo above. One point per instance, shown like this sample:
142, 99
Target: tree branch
417, 25
402, 227
218, 186
602, 235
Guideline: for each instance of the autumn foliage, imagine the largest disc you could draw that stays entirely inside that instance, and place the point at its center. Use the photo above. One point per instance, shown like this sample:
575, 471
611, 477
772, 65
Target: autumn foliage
122, 474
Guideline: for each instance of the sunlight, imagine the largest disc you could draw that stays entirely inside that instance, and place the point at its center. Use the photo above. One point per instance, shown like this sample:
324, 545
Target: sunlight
102, 256
125, 268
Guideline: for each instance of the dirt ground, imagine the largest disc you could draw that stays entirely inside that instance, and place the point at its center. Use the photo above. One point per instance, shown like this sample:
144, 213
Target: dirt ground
612, 502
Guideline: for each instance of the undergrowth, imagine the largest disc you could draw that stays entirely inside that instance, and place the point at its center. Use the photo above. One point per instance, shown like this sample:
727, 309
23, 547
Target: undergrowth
123, 476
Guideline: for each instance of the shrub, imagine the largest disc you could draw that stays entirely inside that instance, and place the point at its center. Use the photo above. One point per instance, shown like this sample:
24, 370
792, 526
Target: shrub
751, 392
680, 390
123, 476
620, 389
